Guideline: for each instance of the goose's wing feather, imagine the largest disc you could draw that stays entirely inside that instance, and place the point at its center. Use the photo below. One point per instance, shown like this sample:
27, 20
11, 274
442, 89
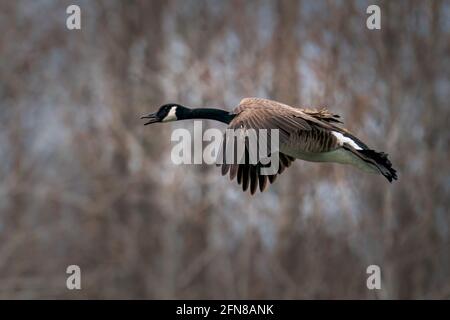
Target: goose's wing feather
249, 175
323, 115
260, 114
300, 129
255, 113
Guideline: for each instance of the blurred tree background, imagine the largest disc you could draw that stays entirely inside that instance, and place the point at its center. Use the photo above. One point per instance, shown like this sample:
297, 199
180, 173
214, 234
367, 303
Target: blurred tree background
83, 182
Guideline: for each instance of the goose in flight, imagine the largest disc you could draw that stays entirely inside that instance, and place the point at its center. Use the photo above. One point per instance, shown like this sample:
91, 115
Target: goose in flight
311, 135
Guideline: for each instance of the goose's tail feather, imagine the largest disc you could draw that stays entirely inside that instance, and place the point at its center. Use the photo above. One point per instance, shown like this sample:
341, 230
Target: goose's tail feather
378, 159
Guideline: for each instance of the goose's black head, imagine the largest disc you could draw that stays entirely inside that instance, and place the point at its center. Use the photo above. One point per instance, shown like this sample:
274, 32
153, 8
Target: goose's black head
167, 112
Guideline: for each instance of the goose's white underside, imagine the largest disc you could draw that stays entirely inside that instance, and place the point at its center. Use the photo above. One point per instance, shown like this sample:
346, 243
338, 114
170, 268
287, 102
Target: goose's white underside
339, 155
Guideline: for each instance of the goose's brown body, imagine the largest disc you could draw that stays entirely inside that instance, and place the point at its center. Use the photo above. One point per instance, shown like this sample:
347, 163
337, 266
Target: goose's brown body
309, 135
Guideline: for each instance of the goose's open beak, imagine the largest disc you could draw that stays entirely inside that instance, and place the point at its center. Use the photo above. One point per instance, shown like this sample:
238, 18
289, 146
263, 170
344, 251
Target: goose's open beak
152, 118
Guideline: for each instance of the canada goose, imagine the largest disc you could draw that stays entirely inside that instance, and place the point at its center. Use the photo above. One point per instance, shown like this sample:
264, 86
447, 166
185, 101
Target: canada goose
305, 134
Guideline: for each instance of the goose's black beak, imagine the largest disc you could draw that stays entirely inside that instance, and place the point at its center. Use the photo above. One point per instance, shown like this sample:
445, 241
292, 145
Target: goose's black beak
152, 118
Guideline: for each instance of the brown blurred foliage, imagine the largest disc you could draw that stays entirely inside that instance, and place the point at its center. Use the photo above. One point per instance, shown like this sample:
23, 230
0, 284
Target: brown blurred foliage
83, 182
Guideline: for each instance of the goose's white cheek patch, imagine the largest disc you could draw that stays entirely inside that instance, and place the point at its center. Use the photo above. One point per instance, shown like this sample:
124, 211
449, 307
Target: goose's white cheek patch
171, 116
343, 139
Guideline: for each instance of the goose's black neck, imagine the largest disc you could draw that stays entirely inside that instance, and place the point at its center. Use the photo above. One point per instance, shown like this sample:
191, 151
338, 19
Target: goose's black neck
206, 113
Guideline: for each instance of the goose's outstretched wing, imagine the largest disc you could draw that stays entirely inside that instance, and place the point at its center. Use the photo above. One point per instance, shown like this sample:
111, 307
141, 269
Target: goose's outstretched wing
256, 115
305, 130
